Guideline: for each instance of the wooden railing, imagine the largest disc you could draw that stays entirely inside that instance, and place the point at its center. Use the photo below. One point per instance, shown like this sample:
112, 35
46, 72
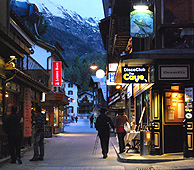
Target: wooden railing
32, 68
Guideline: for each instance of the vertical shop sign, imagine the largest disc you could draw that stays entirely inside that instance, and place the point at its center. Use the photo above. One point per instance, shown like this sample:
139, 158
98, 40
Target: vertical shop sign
56, 73
129, 91
189, 103
111, 78
27, 113
188, 150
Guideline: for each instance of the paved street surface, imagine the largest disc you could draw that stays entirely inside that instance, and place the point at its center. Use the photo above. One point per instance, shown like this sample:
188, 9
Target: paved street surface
73, 149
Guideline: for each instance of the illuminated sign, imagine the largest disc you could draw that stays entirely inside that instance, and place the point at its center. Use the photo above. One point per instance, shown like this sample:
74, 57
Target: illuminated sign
111, 78
113, 66
114, 98
129, 91
135, 74
141, 23
56, 73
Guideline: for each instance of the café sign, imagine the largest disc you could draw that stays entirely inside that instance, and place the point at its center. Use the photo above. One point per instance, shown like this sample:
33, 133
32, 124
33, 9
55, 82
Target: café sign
56, 73
135, 74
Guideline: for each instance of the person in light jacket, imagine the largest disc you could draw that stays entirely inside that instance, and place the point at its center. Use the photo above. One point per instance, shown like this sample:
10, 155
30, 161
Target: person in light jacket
120, 120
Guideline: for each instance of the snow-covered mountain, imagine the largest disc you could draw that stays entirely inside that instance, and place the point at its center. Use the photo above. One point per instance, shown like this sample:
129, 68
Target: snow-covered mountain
50, 9
76, 34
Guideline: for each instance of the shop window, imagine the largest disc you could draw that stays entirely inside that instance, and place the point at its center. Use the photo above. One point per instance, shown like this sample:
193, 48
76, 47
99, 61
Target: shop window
109, 11
61, 119
155, 106
138, 109
56, 116
70, 92
179, 11
146, 104
1, 106
70, 85
179, 37
174, 107
176, 34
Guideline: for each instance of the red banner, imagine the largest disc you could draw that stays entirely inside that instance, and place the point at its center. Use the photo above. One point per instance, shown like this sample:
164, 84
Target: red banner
56, 73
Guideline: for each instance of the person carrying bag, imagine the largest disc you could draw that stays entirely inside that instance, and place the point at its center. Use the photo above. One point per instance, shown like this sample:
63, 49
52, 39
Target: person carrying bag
120, 121
127, 127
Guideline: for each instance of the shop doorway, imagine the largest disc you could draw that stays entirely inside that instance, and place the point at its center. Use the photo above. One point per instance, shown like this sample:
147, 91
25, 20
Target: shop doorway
173, 135
173, 122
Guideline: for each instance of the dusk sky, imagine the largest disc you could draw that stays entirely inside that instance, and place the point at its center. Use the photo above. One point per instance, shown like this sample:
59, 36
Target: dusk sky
86, 8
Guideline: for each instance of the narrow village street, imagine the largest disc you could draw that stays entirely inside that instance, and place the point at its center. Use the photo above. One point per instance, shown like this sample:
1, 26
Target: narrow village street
63, 61
72, 150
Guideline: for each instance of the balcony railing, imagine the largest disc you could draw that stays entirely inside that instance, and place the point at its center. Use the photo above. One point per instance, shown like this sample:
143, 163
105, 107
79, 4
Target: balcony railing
32, 68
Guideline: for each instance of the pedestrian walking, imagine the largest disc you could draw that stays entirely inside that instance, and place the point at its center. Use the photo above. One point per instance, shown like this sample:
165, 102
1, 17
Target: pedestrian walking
13, 129
95, 121
39, 136
91, 121
121, 119
72, 118
103, 124
76, 119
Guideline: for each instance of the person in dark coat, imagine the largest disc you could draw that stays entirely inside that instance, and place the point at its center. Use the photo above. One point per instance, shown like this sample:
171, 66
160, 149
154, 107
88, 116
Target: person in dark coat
91, 121
12, 128
103, 123
39, 136
76, 119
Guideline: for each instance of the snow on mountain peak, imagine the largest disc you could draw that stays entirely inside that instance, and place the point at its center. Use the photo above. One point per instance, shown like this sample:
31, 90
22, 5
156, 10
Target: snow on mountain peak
49, 9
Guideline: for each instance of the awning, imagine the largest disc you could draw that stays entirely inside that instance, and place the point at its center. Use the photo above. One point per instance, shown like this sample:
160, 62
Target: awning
161, 54
56, 98
147, 58
16, 74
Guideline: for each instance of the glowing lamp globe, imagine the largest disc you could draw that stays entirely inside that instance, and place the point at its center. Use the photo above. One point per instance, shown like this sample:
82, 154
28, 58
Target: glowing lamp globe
100, 73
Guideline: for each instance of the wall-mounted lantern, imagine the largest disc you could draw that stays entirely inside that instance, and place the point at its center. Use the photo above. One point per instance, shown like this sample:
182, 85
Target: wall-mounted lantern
10, 64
